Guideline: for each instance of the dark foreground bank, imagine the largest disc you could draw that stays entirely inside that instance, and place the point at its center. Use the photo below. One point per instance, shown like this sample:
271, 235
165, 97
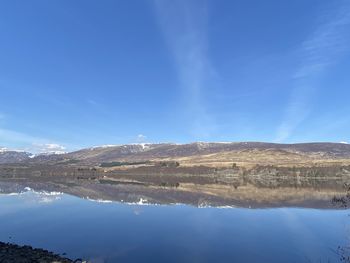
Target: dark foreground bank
10, 253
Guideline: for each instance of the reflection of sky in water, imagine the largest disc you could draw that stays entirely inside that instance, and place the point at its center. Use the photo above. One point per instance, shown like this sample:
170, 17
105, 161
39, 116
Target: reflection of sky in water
109, 232
26, 199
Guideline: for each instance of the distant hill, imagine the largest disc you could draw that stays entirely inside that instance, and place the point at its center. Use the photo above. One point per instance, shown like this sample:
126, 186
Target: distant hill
197, 153
13, 156
167, 150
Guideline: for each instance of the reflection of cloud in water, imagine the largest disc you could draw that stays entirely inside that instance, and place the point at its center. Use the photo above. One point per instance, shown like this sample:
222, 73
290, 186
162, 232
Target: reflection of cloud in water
98, 200
137, 211
137, 203
37, 196
144, 202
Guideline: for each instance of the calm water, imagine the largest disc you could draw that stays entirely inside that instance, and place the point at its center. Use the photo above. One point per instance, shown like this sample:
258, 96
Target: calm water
114, 232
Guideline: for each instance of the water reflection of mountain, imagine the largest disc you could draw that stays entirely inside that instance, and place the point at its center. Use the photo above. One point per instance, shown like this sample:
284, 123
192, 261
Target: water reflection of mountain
246, 192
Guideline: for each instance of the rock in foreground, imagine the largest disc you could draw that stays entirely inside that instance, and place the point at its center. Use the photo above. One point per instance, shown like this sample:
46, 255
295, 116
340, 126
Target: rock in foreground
10, 253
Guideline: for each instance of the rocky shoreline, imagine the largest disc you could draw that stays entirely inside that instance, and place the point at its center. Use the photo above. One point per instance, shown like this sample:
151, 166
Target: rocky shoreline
11, 253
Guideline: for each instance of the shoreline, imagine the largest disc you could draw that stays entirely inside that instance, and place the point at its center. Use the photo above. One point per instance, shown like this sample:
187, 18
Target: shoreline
15, 253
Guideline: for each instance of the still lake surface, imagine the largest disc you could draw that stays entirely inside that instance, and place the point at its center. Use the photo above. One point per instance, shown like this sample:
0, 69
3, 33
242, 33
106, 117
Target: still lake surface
117, 232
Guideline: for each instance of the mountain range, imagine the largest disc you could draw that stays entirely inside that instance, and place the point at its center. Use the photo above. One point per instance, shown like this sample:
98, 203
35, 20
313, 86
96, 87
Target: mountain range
201, 153
11, 156
200, 173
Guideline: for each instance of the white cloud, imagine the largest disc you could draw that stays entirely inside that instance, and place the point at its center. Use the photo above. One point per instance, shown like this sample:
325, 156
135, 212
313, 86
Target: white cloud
141, 138
3, 149
49, 148
184, 24
29, 143
343, 142
54, 146
322, 49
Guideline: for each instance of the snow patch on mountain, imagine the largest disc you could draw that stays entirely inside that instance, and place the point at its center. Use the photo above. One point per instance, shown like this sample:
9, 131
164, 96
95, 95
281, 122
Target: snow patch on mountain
104, 146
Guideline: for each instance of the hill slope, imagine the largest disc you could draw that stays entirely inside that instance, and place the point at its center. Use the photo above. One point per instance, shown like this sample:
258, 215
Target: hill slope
200, 153
13, 156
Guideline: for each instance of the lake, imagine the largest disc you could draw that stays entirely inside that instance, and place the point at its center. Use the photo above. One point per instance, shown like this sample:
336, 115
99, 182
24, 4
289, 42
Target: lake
105, 231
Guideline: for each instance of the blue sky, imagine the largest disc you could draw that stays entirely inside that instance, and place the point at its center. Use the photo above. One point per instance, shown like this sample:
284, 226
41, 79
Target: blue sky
80, 73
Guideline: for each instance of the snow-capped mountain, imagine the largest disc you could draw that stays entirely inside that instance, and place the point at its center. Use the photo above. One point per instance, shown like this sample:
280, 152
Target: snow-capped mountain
13, 156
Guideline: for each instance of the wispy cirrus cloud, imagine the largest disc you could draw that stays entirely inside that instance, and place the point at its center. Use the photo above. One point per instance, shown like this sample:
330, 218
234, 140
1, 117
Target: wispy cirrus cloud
184, 25
321, 50
7, 135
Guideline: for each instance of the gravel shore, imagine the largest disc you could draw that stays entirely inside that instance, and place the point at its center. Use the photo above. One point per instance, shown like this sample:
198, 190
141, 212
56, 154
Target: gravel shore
10, 253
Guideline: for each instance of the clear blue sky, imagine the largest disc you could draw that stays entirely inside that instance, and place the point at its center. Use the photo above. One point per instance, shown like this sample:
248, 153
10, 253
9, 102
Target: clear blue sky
82, 73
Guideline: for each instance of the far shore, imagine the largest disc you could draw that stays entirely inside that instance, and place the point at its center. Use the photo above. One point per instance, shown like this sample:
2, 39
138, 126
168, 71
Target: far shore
258, 187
